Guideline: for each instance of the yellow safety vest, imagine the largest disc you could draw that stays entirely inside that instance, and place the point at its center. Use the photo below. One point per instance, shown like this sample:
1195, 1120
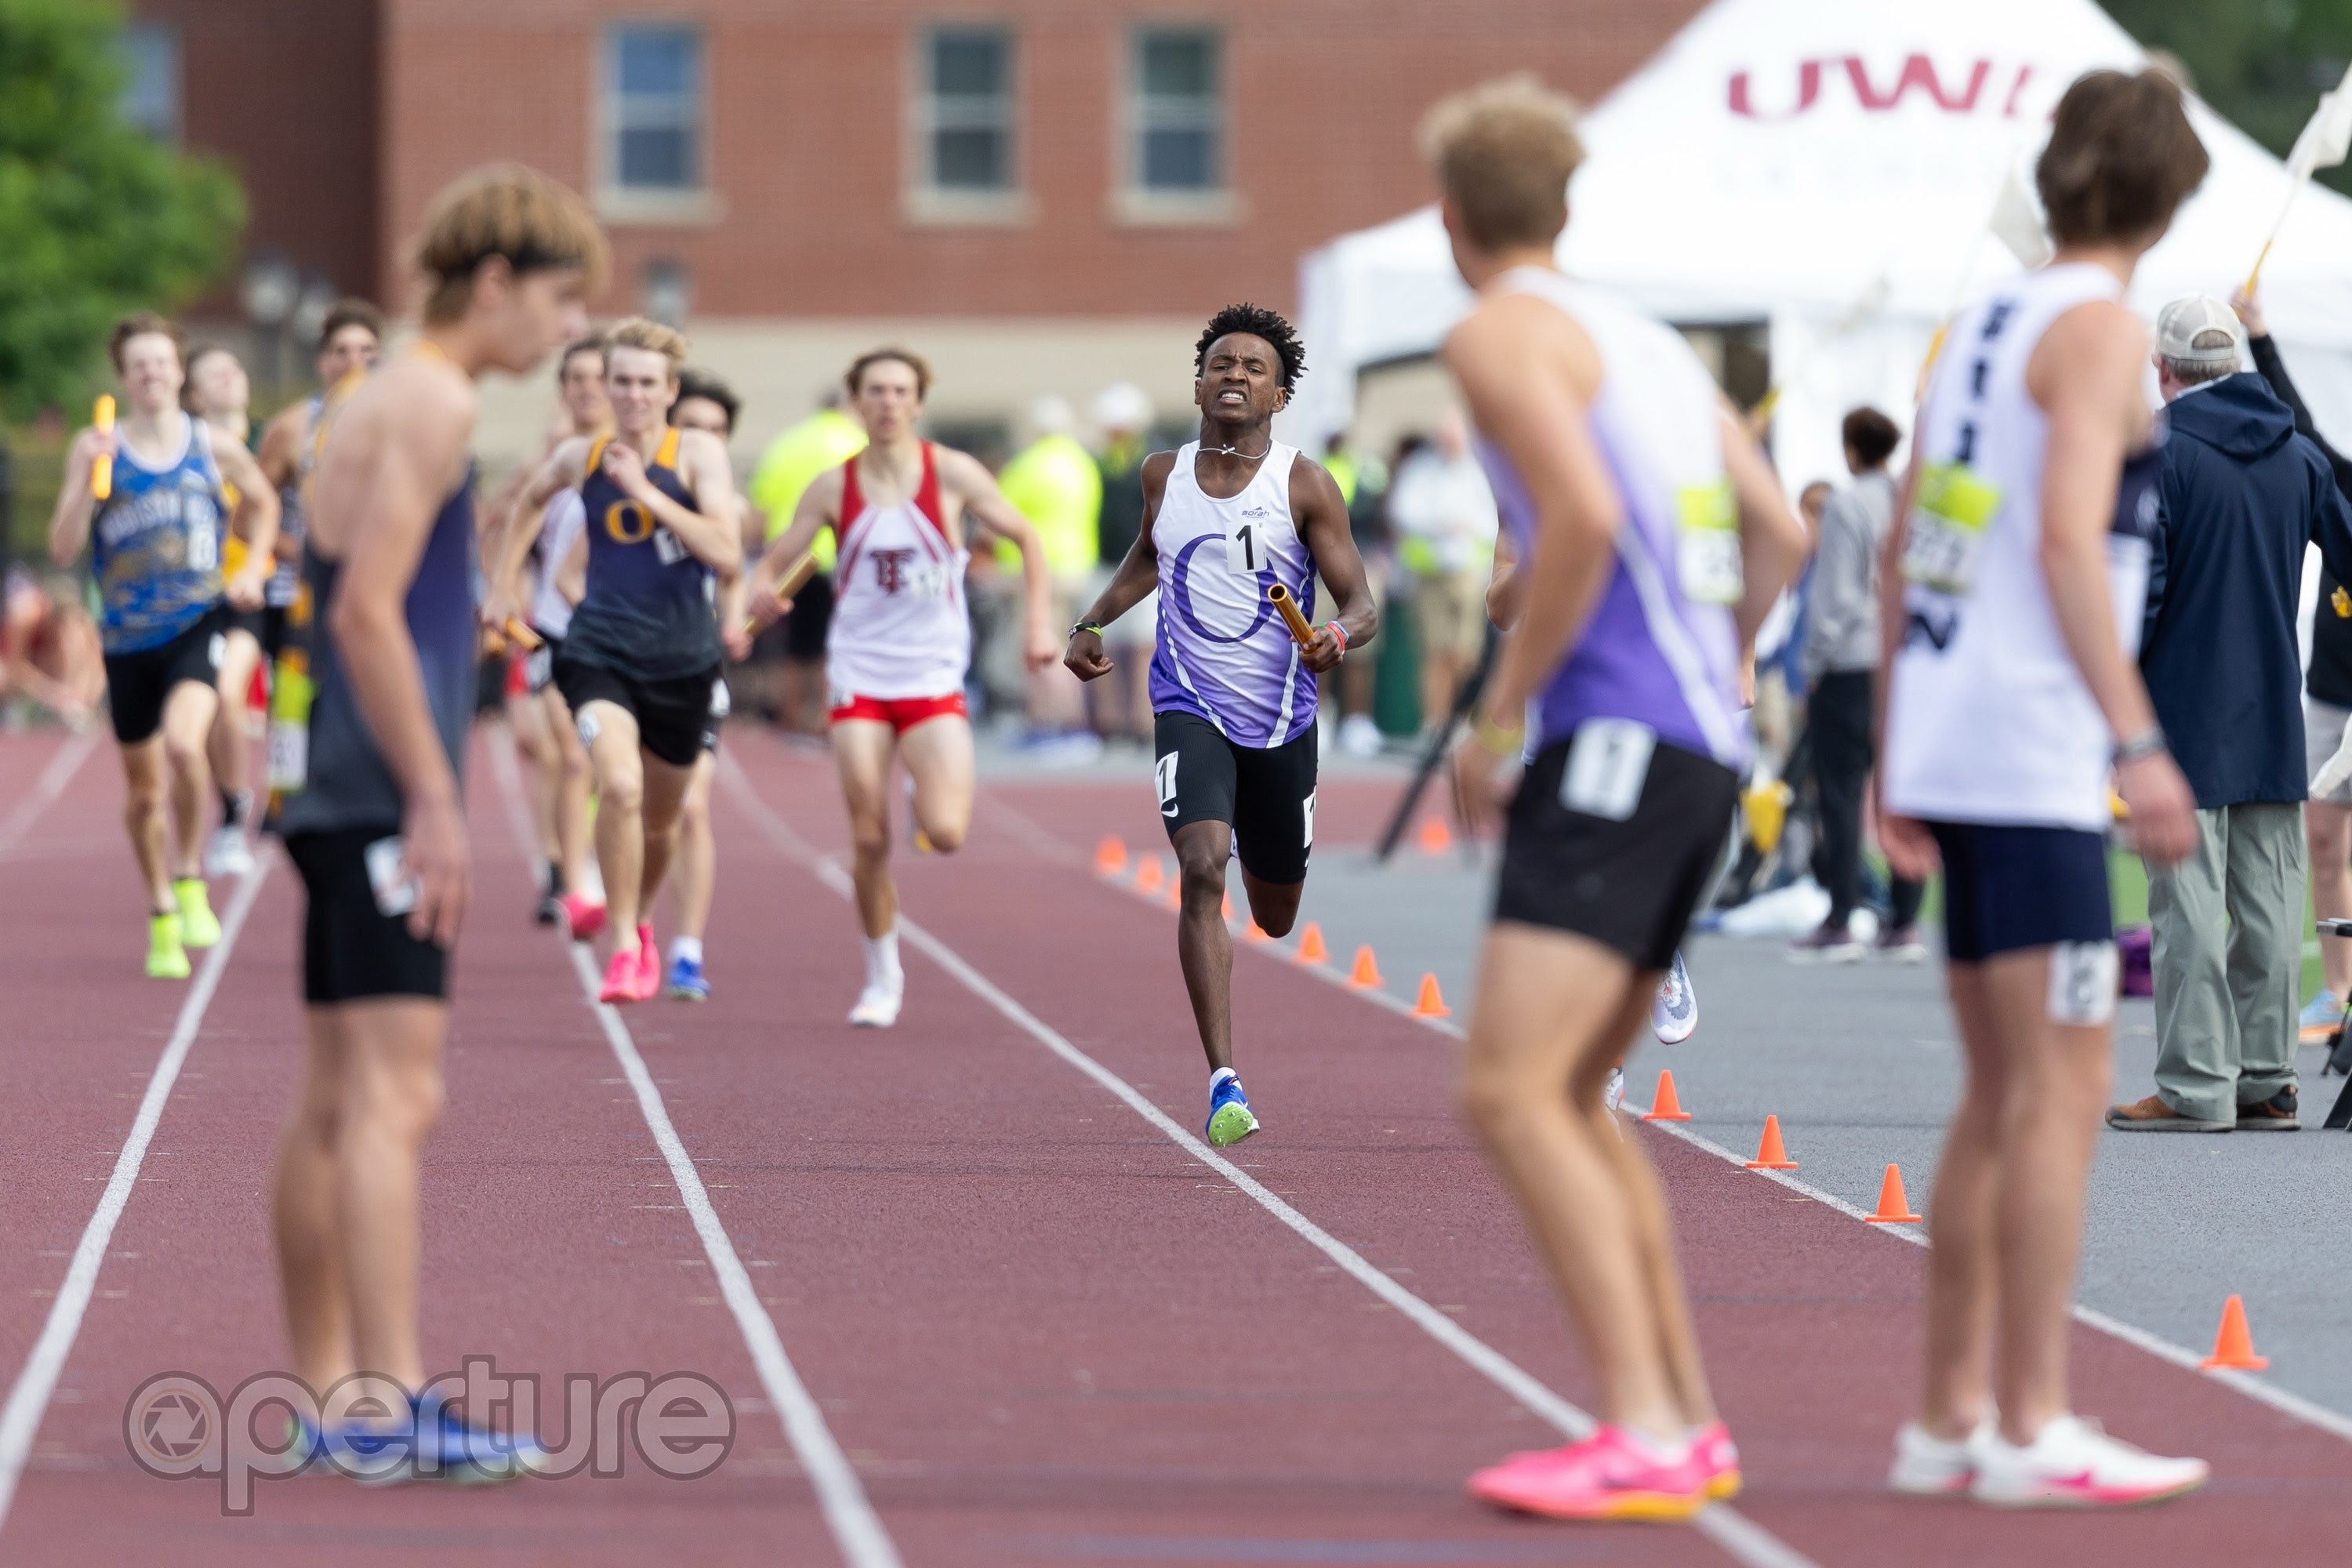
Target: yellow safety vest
826, 440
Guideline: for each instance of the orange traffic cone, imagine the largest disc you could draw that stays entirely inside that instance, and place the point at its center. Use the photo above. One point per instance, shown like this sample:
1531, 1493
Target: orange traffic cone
1430, 1004
1664, 1105
1110, 857
1364, 974
1435, 838
1147, 876
1894, 1208
1311, 944
1255, 931
2233, 1343
1771, 1154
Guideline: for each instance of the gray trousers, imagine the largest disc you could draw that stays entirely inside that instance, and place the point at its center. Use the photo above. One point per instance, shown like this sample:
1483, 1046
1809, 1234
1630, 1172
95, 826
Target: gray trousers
2228, 923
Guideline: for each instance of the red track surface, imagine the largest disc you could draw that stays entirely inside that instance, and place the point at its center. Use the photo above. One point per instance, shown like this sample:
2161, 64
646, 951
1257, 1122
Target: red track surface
1042, 1331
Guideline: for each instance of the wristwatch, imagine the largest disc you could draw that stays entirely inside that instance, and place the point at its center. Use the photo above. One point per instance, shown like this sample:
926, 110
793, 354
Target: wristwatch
2146, 742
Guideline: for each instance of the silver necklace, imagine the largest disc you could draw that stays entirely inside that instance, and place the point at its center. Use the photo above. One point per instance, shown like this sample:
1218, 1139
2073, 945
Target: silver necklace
1237, 452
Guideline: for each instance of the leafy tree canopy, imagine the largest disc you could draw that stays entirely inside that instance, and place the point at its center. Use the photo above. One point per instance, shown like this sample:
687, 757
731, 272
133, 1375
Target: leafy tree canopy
2262, 63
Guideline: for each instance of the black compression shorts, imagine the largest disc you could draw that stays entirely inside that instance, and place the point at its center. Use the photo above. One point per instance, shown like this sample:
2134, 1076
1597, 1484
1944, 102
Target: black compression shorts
139, 684
353, 950
1267, 793
678, 720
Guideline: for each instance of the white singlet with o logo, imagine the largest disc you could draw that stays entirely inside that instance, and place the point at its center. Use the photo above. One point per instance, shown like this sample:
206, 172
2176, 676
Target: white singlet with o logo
899, 629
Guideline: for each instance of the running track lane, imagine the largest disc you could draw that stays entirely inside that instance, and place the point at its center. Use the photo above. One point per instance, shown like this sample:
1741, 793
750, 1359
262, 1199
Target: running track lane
1809, 1317
554, 1241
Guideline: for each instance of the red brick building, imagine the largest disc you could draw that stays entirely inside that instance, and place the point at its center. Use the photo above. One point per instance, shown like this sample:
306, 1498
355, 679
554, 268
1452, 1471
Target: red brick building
1045, 193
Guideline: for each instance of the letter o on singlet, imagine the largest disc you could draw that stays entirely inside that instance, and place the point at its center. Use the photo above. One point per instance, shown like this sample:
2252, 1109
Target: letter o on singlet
628, 523
1180, 583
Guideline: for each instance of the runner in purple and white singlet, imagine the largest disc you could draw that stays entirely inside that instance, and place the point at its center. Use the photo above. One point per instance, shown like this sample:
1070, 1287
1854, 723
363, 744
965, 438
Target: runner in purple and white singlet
1653, 538
1233, 696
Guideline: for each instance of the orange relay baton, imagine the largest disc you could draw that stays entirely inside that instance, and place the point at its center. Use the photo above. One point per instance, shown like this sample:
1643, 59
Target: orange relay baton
1279, 596
101, 468
791, 583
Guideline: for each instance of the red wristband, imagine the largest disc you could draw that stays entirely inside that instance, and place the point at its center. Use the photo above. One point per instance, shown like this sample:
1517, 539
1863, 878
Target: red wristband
1340, 632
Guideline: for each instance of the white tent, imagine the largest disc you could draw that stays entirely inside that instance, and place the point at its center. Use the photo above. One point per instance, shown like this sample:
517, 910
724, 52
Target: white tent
1784, 160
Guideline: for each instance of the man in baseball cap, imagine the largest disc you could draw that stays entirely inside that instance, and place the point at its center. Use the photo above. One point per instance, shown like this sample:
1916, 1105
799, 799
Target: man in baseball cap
2240, 495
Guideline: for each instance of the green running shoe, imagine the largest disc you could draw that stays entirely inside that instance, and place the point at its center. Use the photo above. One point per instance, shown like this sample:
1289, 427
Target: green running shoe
1229, 1120
167, 956
197, 926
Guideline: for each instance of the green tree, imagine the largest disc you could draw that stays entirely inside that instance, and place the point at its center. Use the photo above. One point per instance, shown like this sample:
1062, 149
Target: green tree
96, 216
2262, 64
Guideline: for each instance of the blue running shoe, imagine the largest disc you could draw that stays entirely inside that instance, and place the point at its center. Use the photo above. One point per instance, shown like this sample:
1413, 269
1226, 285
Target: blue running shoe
687, 980
447, 1449
2320, 1016
1229, 1120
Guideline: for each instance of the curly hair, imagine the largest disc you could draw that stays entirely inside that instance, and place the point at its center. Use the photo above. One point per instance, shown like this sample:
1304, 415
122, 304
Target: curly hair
1259, 323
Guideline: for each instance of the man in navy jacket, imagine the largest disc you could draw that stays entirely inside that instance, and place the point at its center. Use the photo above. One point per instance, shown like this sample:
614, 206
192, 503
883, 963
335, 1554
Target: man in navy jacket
2241, 495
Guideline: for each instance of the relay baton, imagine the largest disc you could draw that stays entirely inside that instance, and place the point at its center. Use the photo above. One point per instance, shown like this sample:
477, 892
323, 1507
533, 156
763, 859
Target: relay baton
795, 577
1300, 632
101, 467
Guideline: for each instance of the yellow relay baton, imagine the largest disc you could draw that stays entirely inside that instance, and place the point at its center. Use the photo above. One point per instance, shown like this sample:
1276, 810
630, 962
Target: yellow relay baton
101, 467
1279, 596
791, 583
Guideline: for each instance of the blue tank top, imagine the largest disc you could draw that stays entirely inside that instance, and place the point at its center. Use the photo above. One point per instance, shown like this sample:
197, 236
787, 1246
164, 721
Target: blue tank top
649, 608
155, 544
347, 784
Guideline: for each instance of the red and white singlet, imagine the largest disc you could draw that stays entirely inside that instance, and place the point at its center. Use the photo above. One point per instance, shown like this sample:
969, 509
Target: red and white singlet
899, 628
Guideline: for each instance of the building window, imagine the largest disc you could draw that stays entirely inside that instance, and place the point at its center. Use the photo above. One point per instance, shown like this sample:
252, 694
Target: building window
652, 75
1178, 112
150, 86
967, 112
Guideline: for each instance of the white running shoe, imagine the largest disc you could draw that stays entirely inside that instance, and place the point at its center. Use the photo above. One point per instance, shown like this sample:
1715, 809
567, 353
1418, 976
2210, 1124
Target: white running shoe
1928, 1466
1612, 1093
226, 854
877, 1004
1674, 1012
1358, 736
2072, 1463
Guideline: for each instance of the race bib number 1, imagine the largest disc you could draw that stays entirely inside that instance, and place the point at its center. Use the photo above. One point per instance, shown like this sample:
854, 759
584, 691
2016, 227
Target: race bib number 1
1608, 764
1246, 546
1948, 527
1707, 543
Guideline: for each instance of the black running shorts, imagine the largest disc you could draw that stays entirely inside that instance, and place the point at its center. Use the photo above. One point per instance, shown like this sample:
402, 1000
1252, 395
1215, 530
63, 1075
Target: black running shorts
678, 718
1621, 847
253, 623
1266, 794
351, 950
2009, 889
139, 684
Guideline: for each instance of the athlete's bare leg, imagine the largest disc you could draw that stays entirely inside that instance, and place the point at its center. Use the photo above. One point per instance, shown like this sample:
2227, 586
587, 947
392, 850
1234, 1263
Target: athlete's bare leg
862, 749
2026, 1224
1552, 1012
227, 748
305, 1201
617, 764
1962, 1287
188, 714
661, 806
1203, 947
937, 755
526, 716
695, 867
391, 1098
572, 793
142, 818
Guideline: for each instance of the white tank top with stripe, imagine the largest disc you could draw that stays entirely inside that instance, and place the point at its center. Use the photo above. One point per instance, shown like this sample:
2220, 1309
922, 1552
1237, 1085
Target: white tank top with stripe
899, 627
560, 529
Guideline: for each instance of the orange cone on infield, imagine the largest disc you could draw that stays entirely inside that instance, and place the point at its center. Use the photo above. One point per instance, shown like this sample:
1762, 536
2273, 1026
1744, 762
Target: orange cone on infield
1148, 876
1364, 974
1430, 1004
1110, 857
1665, 1105
1435, 838
1771, 1154
1894, 1208
2233, 1343
1311, 944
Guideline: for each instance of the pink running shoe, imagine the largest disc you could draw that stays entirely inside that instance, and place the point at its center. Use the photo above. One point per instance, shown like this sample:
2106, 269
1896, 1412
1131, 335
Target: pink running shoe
1613, 1474
583, 915
1719, 1457
649, 968
620, 977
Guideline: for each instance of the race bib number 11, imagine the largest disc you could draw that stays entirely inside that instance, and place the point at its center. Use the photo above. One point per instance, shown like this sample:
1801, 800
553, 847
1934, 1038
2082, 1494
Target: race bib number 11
1947, 529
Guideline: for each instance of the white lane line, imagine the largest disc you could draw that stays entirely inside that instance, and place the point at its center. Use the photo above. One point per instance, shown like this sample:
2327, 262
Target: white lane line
20, 1418
856, 1529
2246, 1382
1738, 1535
63, 765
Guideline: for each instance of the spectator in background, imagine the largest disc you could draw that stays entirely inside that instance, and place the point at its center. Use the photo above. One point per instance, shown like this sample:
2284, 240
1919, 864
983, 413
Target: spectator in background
1055, 484
1123, 700
1363, 485
49, 653
2240, 497
1444, 515
1840, 663
2327, 707
826, 440
1781, 647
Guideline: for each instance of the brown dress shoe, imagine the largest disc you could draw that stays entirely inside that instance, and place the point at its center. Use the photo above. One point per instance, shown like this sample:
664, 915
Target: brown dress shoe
2152, 1115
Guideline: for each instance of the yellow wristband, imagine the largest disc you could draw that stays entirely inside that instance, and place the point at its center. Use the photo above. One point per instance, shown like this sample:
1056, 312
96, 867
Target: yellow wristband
1493, 737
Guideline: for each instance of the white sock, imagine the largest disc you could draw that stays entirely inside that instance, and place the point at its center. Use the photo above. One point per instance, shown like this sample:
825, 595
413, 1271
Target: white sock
686, 947
1218, 1076
882, 959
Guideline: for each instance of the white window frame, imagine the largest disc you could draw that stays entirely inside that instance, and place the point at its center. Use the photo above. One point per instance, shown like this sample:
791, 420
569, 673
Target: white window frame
664, 207
1135, 202
926, 201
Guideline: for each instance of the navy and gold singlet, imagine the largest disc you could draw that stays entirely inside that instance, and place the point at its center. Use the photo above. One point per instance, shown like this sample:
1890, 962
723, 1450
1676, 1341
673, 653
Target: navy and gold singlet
647, 610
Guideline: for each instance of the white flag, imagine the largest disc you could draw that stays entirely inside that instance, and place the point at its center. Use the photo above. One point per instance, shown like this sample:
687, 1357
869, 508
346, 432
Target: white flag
2326, 137
2017, 221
